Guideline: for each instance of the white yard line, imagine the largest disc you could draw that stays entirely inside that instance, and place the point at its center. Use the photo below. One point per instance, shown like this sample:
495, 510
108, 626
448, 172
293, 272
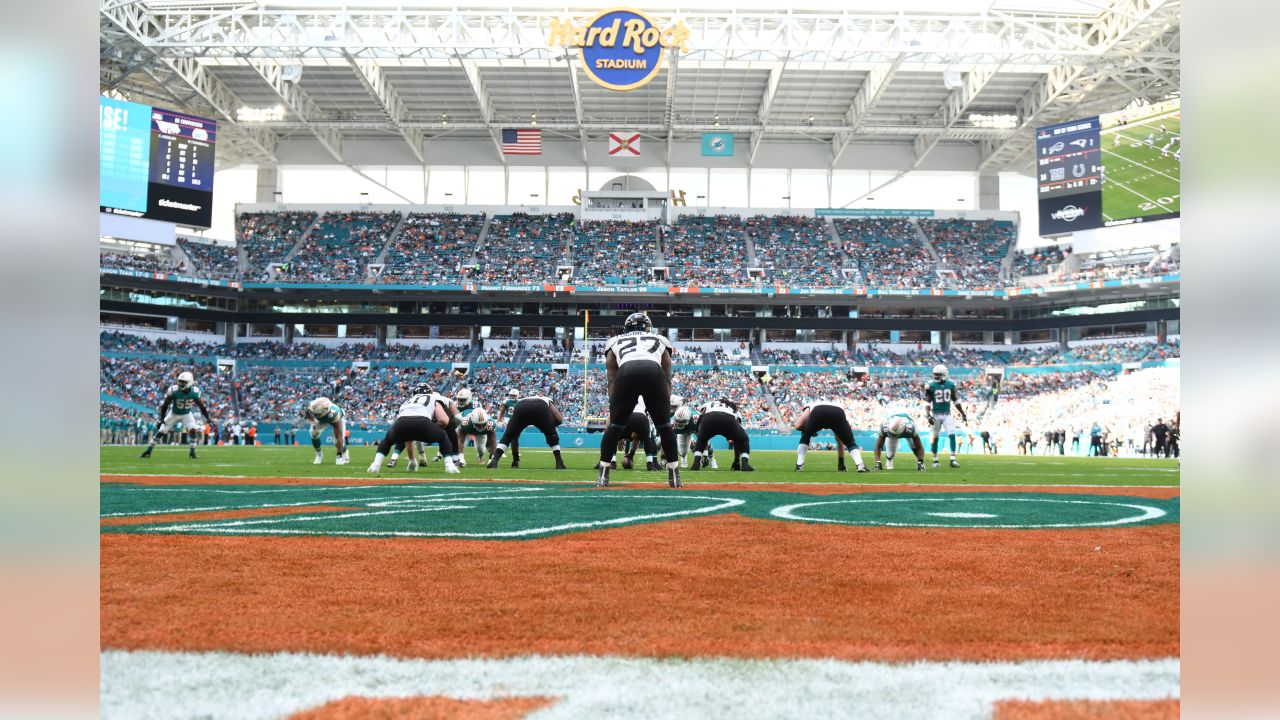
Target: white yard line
1135, 162
140, 685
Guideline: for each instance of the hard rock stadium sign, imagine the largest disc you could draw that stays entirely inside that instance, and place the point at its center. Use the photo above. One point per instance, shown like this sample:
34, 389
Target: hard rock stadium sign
620, 48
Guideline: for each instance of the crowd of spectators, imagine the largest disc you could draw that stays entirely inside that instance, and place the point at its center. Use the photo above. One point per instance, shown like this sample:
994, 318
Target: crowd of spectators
887, 253
796, 251
702, 251
1038, 261
971, 251
1133, 267
111, 340
432, 248
215, 262
268, 237
523, 249
340, 247
148, 262
615, 252
146, 381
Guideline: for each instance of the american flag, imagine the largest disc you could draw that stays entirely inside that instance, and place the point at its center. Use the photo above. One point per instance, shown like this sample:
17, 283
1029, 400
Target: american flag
521, 142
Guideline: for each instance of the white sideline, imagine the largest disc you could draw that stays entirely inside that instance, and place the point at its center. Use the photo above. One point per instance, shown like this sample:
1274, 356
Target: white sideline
153, 684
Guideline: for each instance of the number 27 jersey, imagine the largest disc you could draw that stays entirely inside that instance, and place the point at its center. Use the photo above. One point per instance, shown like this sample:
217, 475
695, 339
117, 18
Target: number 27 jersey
633, 346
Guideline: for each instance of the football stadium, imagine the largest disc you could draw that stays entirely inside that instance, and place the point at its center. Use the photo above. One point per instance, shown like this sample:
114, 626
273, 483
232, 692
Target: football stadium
558, 360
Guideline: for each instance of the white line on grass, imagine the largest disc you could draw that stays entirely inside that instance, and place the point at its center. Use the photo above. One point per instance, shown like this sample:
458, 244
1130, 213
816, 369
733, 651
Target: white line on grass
1135, 162
141, 685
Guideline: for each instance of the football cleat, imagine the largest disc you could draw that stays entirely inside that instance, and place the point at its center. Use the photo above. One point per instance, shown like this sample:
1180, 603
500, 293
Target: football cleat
437, 458
745, 466
412, 466
515, 463
711, 463
650, 466
319, 459
560, 465
935, 463
192, 454
920, 466
842, 467
450, 467
954, 464
799, 467
602, 480
391, 462
697, 463
673, 478
737, 464
146, 453
460, 461
492, 464
341, 460
879, 465
375, 467
864, 469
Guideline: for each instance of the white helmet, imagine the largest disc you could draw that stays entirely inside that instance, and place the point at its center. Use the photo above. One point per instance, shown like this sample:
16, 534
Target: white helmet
513, 394
683, 417
463, 396
939, 372
320, 406
677, 401
897, 425
479, 418
186, 380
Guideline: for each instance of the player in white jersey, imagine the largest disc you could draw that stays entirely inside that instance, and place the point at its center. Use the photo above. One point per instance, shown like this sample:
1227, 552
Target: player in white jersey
538, 411
721, 417
823, 415
638, 365
420, 419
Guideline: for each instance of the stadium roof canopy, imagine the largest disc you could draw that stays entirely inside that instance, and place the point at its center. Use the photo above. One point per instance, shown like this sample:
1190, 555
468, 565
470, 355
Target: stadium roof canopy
336, 76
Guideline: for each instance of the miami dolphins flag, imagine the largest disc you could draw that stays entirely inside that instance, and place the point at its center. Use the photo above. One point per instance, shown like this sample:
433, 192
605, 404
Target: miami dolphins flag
717, 144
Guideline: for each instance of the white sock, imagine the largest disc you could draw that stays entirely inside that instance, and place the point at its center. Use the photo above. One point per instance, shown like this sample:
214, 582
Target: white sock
501, 447
395, 456
377, 459
555, 448
857, 456
673, 464
801, 450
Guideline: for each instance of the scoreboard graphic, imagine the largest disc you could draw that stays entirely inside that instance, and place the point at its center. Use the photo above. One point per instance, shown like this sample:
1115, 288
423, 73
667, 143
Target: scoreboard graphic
1069, 174
155, 163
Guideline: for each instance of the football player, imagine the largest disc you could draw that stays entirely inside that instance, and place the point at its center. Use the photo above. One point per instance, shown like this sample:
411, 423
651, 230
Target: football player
939, 396
720, 417
893, 429
639, 431
421, 418
508, 406
182, 396
823, 415
321, 412
476, 423
684, 421
538, 411
638, 365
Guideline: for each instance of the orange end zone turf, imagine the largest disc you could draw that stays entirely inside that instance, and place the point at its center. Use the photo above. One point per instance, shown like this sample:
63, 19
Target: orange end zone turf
424, 708
713, 586
1087, 710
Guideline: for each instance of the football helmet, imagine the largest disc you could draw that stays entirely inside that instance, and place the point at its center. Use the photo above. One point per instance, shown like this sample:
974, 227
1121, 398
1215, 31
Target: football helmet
320, 406
897, 425
637, 322
186, 380
480, 419
939, 372
422, 389
683, 417
513, 394
463, 396
677, 401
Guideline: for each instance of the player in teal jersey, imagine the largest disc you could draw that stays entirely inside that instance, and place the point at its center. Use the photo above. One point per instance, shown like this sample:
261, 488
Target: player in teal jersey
939, 396
476, 423
183, 397
323, 411
895, 428
684, 420
504, 412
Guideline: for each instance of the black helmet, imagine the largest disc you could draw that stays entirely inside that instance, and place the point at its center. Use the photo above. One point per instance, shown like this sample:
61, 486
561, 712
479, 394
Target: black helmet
422, 389
637, 322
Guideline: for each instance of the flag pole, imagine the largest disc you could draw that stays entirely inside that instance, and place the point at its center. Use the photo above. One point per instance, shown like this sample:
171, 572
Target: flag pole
586, 355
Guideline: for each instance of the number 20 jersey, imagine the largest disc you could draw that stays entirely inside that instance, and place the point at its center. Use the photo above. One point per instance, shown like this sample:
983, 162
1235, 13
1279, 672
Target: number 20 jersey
633, 346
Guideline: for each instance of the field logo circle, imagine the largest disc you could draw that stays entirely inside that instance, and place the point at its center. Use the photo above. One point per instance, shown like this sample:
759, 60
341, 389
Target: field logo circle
1133, 513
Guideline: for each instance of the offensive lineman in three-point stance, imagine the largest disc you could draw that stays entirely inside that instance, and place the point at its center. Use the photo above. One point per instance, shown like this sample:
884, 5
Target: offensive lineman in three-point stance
638, 365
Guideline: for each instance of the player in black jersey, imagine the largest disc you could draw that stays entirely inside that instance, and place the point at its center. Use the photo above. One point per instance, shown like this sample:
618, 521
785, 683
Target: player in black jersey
421, 419
638, 365
721, 417
818, 416
639, 432
538, 411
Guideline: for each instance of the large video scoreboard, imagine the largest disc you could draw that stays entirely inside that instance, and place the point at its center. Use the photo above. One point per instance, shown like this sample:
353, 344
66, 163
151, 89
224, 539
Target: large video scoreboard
1113, 169
155, 163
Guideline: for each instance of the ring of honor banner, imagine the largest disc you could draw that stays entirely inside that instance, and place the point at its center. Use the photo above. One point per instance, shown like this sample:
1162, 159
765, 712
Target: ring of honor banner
155, 163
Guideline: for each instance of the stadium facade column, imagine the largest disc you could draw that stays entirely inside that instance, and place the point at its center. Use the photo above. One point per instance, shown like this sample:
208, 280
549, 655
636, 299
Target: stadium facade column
1162, 331
944, 337
382, 336
268, 184
290, 331
988, 191
229, 333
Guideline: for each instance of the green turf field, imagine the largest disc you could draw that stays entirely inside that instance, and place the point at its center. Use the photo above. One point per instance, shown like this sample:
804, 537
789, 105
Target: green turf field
1141, 181
537, 465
